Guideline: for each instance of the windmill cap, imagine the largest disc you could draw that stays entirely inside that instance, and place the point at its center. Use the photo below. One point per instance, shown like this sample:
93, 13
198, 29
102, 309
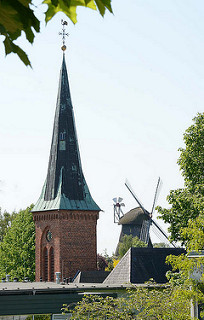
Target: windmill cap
134, 216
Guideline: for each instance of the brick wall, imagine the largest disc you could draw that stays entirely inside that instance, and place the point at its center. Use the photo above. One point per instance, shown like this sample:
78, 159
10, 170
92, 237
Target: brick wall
73, 242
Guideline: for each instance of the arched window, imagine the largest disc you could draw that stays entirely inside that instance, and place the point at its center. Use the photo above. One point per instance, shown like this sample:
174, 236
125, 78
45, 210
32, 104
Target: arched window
52, 264
45, 260
62, 135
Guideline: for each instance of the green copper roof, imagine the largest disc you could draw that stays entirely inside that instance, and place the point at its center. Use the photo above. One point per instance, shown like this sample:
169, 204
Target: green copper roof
65, 186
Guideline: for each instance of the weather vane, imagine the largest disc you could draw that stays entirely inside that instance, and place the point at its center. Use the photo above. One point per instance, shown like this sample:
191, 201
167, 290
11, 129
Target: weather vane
63, 34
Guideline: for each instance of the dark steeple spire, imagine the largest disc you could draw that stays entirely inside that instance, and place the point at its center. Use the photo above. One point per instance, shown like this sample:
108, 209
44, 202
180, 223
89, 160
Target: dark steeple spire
64, 155
65, 186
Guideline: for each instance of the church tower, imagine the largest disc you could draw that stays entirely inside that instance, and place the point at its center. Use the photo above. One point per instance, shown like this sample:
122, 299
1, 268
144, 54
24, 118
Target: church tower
65, 215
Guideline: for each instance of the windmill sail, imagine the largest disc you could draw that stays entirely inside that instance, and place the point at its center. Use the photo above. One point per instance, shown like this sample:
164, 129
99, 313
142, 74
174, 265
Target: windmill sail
156, 194
127, 184
146, 224
144, 234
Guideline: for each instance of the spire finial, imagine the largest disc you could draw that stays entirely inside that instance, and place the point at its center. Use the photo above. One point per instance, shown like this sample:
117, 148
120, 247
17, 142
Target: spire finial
63, 34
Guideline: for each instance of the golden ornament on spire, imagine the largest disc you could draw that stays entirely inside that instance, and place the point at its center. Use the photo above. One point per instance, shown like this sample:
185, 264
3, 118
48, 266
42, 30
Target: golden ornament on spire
63, 34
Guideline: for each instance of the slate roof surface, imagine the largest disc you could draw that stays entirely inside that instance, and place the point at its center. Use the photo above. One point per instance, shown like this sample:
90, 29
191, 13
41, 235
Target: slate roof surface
91, 277
65, 186
138, 265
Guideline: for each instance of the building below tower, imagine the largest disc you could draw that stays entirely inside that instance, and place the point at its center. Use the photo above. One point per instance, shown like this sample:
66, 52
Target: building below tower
65, 242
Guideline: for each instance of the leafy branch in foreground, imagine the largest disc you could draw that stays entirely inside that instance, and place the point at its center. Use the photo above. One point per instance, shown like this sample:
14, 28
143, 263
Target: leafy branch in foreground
18, 16
187, 203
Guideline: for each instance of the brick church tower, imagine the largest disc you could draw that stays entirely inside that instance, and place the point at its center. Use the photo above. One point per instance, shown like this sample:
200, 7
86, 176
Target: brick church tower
65, 215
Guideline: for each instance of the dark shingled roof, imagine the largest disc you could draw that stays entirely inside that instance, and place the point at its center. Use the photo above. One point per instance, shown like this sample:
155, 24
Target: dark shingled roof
65, 186
138, 265
91, 277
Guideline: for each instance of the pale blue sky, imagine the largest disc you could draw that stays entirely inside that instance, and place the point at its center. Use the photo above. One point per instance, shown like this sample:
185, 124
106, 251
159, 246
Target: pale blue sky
137, 80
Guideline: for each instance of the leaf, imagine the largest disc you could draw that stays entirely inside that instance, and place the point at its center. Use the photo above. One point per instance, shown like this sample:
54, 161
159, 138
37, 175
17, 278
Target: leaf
29, 35
17, 16
102, 5
68, 7
11, 47
15, 35
54, 3
52, 10
25, 3
2, 29
9, 18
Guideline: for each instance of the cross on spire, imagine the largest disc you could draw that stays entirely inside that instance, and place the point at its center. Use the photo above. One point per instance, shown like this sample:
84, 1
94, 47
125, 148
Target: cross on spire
63, 34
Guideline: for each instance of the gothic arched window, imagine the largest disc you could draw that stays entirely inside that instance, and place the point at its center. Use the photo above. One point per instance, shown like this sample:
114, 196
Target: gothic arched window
52, 266
45, 264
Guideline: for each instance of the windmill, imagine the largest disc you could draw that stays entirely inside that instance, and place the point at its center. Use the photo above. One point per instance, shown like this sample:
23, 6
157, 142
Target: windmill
147, 222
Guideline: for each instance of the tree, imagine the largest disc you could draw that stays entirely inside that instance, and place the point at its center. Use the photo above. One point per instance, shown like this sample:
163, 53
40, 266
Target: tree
191, 160
19, 16
102, 263
189, 285
95, 307
188, 202
106, 262
129, 241
5, 222
152, 302
17, 250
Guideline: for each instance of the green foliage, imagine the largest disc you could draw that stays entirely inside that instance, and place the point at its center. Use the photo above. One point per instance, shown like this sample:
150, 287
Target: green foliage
125, 245
106, 262
150, 302
102, 263
129, 241
162, 302
161, 245
17, 250
5, 222
15, 17
191, 160
137, 243
96, 307
18, 16
194, 234
110, 261
187, 203
183, 280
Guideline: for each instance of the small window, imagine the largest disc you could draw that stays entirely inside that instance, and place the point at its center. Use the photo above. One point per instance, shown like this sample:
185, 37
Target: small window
62, 135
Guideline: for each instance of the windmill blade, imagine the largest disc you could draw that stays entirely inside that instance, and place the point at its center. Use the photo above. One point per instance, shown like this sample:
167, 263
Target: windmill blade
159, 183
162, 231
120, 199
115, 200
127, 184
